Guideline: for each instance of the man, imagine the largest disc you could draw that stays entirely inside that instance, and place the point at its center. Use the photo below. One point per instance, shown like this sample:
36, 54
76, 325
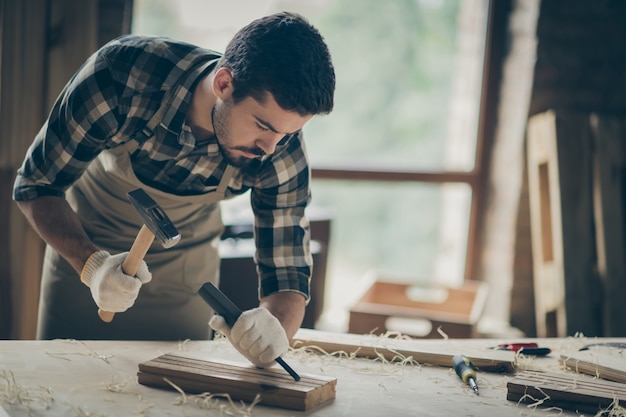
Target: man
191, 127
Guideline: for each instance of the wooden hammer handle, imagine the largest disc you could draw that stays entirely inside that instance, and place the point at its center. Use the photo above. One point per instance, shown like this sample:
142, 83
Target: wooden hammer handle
140, 247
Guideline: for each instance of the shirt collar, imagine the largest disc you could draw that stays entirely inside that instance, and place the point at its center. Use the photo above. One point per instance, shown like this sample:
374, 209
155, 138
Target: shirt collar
179, 98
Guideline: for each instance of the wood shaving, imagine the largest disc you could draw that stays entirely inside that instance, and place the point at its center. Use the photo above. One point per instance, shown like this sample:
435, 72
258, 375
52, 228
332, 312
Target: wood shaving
18, 396
81, 412
397, 359
182, 346
394, 335
313, 349
122, 387
91, 353
535, 402
442, 334
614, 410
388, 366
209, 401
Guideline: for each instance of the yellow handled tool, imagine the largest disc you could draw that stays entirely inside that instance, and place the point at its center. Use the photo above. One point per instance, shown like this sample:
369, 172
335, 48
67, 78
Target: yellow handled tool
464, 368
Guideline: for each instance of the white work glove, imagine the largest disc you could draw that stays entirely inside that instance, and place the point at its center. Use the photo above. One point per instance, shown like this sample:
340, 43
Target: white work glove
257, 335
112, 289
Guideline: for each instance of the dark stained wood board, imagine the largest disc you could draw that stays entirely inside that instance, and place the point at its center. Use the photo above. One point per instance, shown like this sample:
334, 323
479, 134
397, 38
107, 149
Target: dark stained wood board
574, 392
423, 351
276, 388
607, 363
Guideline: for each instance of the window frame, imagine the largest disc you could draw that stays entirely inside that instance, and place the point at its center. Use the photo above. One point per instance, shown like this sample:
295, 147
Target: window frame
477, 178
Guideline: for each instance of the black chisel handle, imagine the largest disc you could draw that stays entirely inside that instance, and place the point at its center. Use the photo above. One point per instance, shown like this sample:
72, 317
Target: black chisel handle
223, 306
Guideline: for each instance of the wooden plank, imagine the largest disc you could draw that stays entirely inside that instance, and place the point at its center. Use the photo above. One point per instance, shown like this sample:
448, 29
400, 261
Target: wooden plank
609, 199
195, 374
393, 349
565, 391
607, 363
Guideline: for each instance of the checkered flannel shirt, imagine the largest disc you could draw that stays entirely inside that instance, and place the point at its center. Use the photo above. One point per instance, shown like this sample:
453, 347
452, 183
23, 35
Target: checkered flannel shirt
109, 101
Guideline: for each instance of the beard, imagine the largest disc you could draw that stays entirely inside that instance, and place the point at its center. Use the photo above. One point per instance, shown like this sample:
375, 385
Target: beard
220, 118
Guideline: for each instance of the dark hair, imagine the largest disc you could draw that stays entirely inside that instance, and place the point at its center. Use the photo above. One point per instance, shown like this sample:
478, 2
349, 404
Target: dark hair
285, 55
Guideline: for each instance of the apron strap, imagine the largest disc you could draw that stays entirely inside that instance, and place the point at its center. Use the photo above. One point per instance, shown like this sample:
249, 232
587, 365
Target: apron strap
228, 174
157, 118
149, 128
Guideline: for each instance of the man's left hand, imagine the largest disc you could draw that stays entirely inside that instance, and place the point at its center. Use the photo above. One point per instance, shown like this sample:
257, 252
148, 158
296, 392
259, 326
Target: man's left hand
256, 334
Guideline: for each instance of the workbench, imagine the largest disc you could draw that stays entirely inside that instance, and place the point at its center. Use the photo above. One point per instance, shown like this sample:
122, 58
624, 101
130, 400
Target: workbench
99, 378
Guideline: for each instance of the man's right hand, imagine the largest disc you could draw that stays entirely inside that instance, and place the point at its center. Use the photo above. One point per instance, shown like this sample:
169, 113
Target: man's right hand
111, 288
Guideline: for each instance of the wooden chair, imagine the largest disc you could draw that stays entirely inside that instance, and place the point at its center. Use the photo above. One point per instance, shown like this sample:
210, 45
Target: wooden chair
560, 192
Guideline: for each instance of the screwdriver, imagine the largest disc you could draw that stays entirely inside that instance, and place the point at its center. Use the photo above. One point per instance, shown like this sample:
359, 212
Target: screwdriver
464, 368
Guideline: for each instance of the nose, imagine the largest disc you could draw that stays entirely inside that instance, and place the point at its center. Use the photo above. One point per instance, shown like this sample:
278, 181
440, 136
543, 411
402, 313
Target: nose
268, 144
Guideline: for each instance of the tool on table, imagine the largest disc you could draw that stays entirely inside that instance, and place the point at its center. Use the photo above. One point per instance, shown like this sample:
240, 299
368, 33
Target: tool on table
156, 224
529, 348
464, 368
223, 306
617, 345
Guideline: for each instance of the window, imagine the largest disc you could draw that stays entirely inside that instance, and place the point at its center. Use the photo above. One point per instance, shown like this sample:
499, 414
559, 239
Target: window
395, 161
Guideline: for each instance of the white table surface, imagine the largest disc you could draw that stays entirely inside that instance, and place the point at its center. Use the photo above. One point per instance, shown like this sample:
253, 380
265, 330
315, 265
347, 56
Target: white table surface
98, 378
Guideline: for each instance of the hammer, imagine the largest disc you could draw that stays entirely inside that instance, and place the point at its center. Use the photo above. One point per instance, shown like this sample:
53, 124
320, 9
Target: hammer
156, 224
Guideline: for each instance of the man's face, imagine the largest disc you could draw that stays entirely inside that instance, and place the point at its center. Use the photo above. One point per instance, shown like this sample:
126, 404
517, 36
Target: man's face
251, 130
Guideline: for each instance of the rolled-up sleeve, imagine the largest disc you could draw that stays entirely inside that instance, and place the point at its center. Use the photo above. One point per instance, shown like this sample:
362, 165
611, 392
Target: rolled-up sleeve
282, 230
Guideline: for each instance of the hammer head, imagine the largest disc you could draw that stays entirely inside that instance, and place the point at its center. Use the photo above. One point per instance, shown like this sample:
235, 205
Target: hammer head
154, 218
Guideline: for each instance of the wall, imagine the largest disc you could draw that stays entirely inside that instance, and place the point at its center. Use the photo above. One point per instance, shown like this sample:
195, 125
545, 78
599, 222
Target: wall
43, 43
581, 56
581, 62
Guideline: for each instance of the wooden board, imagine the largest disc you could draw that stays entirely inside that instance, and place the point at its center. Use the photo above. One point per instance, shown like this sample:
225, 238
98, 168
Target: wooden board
423, 351
585, 395
607, 363
193, 374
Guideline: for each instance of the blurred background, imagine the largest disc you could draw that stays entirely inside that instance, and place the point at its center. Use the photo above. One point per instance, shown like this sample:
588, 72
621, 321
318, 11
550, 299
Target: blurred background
424, 173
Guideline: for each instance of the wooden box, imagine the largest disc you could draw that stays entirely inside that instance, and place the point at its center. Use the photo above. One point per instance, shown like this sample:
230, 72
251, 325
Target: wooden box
419, 311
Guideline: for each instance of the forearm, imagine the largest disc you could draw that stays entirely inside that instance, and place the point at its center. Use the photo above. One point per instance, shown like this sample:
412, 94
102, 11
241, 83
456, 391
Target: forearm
288, 307
60, 227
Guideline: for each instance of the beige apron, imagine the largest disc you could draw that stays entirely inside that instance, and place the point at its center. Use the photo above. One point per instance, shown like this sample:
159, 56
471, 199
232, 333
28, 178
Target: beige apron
168, 308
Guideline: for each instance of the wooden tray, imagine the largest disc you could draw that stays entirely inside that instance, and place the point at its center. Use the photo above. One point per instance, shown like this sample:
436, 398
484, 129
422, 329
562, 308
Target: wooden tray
455, 310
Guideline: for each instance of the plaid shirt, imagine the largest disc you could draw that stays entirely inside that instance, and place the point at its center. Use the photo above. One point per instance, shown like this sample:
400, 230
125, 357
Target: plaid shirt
107, 104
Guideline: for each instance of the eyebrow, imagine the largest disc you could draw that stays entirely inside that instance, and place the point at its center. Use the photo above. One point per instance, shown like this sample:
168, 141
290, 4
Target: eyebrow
272, 128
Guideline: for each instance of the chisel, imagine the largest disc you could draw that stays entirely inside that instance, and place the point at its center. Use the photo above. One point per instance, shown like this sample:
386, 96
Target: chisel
223, 306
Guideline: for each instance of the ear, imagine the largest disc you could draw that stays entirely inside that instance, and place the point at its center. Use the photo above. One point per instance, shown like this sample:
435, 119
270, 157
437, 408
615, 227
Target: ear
223, 83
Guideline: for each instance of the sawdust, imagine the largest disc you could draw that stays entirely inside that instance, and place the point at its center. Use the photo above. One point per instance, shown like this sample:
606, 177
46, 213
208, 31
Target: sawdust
388, 365
90, 352
182, 346
613, 410
83, 412
534, 402
442, 334
19, 396
209, 401
120, 385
